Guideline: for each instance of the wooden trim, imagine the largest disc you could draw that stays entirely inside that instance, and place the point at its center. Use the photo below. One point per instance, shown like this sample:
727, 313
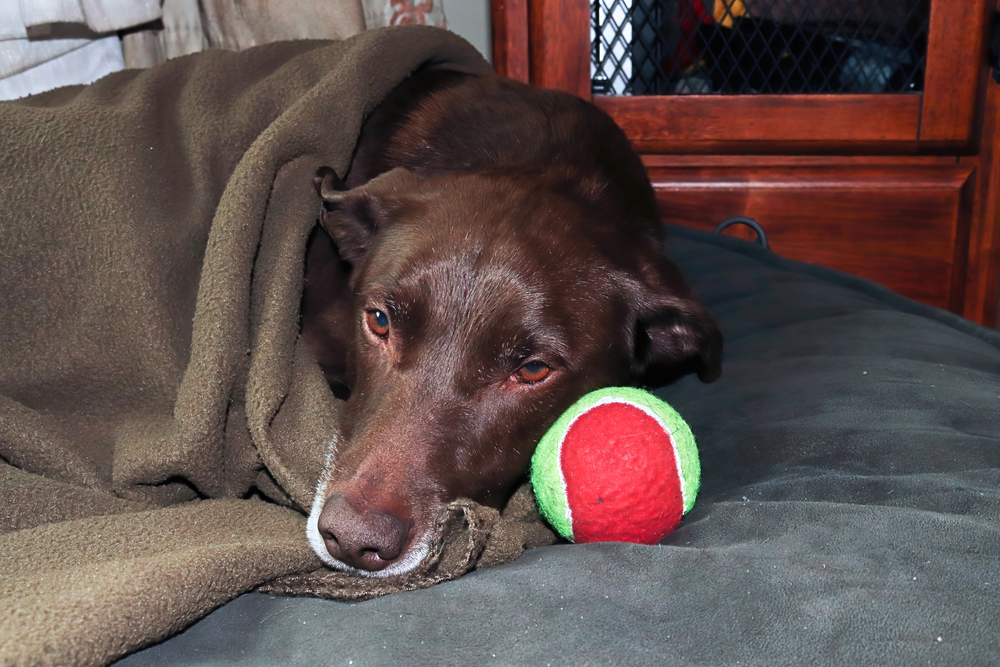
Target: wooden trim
960, 249
710, 122
902, 223
983, 272
660, 160
788, 178
559, 45
510, 38
954, 63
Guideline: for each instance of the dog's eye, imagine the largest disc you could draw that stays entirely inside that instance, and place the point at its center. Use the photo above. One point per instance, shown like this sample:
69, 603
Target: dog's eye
378, 322
532, 372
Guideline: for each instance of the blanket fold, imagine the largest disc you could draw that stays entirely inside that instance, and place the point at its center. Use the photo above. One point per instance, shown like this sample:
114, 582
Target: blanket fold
162, 426
466, 535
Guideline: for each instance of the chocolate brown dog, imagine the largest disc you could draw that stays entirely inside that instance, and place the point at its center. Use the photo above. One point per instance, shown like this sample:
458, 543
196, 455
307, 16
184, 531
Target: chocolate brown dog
493, 254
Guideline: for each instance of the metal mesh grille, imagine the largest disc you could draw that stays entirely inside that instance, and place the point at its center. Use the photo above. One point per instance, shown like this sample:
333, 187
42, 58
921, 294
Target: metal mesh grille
662, 47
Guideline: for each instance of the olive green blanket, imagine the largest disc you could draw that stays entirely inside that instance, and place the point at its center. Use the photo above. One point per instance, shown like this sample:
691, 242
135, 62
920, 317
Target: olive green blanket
161, 424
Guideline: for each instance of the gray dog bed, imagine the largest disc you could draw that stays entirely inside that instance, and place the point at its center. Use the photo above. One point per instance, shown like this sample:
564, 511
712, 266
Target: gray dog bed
849, 512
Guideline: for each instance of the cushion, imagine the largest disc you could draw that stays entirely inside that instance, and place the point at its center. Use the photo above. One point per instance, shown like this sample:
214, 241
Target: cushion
849, 511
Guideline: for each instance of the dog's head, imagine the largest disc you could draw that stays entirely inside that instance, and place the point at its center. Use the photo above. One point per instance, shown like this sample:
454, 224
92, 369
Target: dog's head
482, 305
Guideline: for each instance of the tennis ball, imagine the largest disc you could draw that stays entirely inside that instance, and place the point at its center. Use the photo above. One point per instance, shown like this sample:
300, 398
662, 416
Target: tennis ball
619, 466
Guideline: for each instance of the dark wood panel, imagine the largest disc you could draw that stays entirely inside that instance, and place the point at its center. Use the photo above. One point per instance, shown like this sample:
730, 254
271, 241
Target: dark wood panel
983, 285
672, 124
510, 38
559, 44
954, 62
899, 227
831, 162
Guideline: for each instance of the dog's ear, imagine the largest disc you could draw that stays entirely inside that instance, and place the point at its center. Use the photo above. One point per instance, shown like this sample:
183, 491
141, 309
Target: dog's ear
327, 183
351, 217
674, 333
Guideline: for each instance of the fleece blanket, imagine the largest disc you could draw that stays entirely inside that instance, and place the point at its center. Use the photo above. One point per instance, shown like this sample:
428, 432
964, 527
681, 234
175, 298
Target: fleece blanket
161, 425
849, 513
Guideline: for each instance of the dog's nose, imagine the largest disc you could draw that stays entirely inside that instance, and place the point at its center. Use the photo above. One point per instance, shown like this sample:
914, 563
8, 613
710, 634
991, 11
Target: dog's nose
369, 540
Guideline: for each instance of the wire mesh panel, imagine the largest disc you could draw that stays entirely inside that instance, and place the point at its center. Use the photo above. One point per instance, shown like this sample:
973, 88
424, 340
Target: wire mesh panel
661, 47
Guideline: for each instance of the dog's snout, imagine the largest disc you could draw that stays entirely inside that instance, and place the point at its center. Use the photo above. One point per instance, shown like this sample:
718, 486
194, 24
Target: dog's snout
367, 540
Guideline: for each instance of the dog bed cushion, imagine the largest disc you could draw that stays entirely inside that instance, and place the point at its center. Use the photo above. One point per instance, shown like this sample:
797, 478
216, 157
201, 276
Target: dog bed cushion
849, 512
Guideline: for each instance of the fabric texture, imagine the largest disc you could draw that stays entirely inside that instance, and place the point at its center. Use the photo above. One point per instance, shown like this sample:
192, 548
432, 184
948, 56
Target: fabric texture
49, 43
100, 16
87, 62
189, 26
162, 426
849, 512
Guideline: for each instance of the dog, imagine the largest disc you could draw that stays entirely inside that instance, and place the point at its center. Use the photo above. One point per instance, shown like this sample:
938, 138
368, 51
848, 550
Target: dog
493, 254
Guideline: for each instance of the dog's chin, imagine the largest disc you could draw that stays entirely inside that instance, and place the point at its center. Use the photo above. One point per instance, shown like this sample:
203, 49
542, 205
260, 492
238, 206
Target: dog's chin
414, 554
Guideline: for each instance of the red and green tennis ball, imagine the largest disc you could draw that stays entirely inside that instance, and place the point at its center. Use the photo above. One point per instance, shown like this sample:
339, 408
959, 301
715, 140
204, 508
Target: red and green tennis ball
619, 466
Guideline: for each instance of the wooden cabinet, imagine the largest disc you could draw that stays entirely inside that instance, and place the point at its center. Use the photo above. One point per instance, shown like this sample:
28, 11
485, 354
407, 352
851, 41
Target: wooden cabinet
899, 188
902, 223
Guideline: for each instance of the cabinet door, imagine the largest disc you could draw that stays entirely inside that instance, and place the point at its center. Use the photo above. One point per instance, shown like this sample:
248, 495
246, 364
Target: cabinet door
901, 224
557, 51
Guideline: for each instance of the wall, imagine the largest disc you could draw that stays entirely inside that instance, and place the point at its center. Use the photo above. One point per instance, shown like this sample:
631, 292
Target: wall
471, 20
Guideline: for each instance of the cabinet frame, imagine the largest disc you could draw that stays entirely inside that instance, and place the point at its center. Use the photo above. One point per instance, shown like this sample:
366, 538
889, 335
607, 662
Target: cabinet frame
547, 43
955, 118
